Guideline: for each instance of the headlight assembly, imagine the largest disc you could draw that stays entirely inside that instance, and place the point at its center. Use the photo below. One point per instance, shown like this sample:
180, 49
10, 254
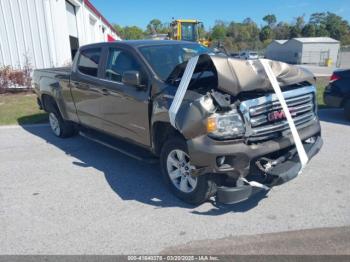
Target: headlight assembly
225, 125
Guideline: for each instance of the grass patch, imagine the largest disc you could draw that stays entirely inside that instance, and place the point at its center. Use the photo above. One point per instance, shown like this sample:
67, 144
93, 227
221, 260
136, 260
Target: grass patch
321, 84
20, 109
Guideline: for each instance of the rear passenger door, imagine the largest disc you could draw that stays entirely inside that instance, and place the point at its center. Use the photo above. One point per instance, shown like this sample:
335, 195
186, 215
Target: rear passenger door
86, 87
124, 108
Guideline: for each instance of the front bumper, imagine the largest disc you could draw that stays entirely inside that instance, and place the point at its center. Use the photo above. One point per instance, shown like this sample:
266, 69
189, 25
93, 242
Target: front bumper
204, 152
278, 175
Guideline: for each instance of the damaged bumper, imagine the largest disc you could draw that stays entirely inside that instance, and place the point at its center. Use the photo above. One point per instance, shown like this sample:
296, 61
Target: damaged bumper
278, 148
240, 159
206, 153
278, 175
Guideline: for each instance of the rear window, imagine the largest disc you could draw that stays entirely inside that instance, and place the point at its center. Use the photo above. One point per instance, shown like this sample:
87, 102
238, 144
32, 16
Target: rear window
88, 61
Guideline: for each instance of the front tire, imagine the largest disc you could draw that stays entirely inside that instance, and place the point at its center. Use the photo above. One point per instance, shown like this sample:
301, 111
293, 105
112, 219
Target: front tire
176, 169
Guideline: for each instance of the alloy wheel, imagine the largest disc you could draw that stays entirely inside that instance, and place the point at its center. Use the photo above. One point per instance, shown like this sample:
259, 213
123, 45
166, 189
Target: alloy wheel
180, 171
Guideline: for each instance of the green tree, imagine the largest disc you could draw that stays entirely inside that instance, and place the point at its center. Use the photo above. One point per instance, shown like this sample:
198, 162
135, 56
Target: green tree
129, 32
155, 26
330, 24
119, 29
296, 29
321, 31
266, 33
133, 33
336, 26
318, 19
282, 30
248, 21
219, 31
309, 30
270, 19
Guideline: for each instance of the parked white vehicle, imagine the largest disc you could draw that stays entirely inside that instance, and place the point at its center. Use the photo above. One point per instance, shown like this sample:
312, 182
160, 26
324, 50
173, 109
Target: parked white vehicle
248, 55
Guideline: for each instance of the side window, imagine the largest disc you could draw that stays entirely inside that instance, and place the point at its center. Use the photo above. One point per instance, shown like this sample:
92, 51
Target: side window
120, 61
88, 61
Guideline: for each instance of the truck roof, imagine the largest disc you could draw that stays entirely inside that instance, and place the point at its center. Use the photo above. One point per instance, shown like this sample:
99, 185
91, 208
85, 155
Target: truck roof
138, 43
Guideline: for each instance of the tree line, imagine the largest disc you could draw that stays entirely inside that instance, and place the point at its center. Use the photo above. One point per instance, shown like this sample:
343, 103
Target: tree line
248, 35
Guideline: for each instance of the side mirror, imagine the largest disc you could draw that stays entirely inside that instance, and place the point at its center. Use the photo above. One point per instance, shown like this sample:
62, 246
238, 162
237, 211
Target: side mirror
132, 78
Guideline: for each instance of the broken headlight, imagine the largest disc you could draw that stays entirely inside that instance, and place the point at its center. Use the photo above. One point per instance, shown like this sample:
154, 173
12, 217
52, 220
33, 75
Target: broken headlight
225, 125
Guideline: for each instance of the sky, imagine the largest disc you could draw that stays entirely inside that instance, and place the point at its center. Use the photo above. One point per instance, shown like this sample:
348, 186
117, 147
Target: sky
140, 12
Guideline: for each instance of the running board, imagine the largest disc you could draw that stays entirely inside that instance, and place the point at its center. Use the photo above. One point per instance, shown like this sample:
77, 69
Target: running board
125, 148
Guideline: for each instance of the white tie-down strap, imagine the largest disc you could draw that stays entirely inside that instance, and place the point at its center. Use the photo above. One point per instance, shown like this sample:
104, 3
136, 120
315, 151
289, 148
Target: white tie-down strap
254, 183
180, 93
301, 151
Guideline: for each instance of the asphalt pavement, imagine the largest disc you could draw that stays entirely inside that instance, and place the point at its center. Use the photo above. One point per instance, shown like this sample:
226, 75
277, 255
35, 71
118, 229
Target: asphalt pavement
73, 196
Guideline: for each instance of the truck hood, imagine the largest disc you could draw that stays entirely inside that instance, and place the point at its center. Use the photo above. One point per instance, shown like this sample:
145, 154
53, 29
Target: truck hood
235, 75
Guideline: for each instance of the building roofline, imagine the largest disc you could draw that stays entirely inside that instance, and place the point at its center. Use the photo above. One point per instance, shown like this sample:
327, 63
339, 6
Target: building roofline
320, 39
96, 12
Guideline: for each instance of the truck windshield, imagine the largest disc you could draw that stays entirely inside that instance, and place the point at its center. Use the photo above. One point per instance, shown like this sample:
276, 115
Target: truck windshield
164, 58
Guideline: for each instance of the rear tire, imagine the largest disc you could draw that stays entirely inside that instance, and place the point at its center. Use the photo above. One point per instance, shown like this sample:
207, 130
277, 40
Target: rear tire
347, 109
174, 160
59, 126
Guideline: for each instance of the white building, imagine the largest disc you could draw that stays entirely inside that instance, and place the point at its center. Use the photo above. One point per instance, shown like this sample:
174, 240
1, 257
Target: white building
304, 50
48, 32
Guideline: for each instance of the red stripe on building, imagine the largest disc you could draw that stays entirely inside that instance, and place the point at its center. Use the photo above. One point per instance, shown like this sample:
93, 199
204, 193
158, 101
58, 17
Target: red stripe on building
110, 38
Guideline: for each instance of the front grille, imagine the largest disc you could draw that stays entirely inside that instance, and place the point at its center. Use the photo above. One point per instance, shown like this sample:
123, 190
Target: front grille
301, 102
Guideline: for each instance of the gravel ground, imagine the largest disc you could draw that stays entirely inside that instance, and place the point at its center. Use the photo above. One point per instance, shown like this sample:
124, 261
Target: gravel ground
73, 196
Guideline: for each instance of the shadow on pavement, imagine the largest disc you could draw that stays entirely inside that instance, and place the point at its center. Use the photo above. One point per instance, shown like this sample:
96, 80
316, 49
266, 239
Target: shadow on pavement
221, 209
333, 115
130, 179
38, 118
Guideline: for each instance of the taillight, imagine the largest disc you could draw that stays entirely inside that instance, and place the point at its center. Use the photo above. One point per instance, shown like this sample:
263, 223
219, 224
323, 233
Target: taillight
334, 77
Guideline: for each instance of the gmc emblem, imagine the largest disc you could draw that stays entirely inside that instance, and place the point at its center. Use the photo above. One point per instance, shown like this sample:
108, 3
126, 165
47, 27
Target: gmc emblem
279, 115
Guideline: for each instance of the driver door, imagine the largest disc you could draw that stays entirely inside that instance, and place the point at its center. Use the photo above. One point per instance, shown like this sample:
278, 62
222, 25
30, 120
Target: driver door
124, 108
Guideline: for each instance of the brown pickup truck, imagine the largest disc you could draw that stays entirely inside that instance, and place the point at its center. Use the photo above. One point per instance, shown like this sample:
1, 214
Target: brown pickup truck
229, 137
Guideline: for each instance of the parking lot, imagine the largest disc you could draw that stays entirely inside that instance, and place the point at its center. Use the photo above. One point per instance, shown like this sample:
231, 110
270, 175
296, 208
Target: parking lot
73, 196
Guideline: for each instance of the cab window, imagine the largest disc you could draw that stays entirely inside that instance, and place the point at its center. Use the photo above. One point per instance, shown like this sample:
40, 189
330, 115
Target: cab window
88, 61
120, 61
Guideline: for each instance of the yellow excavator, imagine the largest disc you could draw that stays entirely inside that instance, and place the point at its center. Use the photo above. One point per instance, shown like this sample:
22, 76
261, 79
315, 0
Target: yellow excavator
187, 30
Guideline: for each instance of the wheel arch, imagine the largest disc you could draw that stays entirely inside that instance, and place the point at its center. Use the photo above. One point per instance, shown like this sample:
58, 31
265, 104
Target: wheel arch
161, 131
48, 102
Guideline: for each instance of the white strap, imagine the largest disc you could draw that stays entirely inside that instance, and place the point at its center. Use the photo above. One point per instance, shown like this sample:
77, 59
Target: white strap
180, 93
254, 183
301, 151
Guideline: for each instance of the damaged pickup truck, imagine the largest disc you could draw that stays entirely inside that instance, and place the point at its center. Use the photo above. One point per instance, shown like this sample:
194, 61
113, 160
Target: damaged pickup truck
222, 127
